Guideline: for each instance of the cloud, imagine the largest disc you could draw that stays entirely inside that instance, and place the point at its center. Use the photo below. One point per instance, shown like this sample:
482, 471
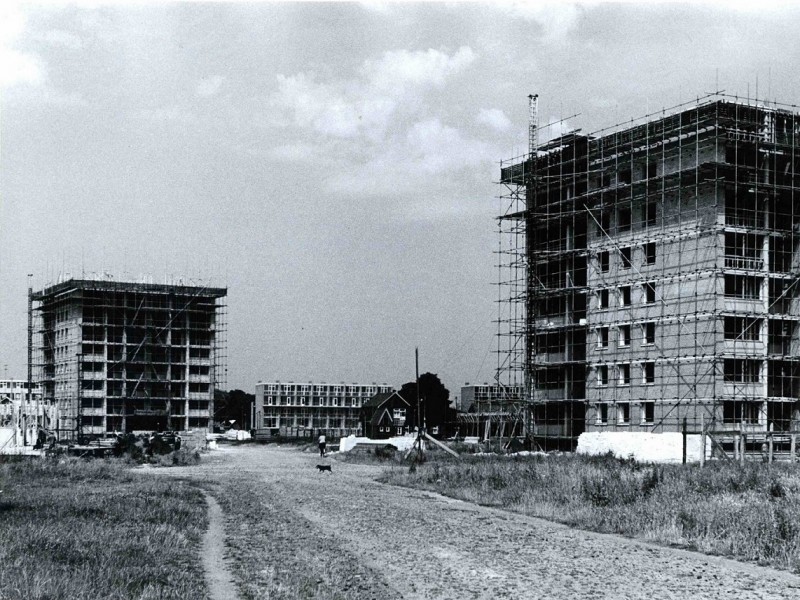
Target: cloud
556, 19
366, 104
494, 118
16, 67
398, 69
428, 149
435, 148
209, 86
384, 129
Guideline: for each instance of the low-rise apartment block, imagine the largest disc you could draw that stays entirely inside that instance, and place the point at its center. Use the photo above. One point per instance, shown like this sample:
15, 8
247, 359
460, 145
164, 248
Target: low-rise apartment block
303, 409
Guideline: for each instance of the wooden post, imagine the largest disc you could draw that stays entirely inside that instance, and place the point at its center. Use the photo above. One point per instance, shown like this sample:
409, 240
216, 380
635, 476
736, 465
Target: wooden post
440, 444
702, 441
793, 447
684, 440
743, 449
736, 446
770, 436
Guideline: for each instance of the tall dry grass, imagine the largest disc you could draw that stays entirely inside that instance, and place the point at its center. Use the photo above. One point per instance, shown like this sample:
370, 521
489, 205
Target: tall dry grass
751, 512
79, 529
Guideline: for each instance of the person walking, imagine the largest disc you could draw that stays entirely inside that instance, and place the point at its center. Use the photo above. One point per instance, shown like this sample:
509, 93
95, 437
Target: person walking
322, 445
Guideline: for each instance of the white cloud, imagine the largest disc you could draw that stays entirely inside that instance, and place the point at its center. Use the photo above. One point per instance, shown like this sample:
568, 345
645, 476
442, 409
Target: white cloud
382, 130
428, 149
494, 118
16, 67
398, 69
209, 86
435, 147
366, 104
555, 18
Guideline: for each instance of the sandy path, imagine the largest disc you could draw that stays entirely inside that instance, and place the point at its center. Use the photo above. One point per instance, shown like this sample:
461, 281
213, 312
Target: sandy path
415, 544
218, 577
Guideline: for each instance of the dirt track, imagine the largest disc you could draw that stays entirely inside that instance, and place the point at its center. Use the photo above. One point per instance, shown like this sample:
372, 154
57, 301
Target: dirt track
363, 539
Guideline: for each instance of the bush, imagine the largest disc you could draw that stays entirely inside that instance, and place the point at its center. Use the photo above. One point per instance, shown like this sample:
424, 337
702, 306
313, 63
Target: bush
387, 451
129, 445
178, 458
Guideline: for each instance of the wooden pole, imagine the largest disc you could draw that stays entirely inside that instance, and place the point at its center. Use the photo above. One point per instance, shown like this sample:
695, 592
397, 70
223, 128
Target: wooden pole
702, 441
770, 436
441, 445
793, 447
416, 368
684, 441
743, 449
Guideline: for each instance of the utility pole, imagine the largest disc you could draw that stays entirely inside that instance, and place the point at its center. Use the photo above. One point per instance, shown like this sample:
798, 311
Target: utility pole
419, 411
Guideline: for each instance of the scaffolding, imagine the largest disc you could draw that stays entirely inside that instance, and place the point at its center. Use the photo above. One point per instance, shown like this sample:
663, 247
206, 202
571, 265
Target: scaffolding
649, 274
128, 357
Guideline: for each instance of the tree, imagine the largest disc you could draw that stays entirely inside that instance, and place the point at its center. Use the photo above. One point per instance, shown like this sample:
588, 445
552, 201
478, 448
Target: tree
434, 403
234, 405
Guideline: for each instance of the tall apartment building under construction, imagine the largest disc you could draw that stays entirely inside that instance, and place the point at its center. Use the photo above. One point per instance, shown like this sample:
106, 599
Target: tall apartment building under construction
651, 273
116, 356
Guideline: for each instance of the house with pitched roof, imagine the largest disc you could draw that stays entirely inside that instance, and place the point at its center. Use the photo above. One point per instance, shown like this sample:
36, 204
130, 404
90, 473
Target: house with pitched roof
386, 415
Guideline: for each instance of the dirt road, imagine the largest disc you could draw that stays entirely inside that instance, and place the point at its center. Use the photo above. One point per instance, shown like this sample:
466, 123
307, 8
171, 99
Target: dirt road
293, 532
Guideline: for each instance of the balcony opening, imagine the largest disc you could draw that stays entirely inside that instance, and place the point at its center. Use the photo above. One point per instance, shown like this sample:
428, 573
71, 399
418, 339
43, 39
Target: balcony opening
623, 413
740, 411
648, 372
648, 412
624, 336
624, 374
625, 295
742, 328
742, 370
649, 292
743, 251
623, 219
650, 253
625, 257
648, 333
743, 287
603, 260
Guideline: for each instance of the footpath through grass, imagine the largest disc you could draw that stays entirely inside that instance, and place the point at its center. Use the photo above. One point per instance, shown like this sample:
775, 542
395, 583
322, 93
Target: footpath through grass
750, 512
77, 529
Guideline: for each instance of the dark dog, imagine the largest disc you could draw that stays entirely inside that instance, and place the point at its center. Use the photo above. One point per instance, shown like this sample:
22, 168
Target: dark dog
324, 468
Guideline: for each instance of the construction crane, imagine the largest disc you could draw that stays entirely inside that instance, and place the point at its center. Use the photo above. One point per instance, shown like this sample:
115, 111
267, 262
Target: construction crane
530, 187
533, 123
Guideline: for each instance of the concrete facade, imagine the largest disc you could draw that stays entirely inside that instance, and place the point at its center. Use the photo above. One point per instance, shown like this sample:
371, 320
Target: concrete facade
663, 268
302, 409
117, 356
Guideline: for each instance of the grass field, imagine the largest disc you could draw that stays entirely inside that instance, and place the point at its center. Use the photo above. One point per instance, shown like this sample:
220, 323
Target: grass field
750, 512
79, 529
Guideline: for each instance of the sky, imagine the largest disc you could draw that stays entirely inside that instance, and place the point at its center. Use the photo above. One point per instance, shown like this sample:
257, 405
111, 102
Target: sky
333, 165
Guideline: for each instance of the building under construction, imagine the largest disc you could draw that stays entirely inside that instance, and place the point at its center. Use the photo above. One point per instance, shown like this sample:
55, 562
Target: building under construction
114, 356
650, 273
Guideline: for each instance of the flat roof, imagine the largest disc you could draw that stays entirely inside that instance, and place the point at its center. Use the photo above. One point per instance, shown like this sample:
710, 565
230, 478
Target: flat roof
73, 285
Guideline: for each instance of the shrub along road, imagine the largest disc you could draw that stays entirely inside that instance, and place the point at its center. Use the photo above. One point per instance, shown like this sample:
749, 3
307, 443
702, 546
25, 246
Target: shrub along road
293, 532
